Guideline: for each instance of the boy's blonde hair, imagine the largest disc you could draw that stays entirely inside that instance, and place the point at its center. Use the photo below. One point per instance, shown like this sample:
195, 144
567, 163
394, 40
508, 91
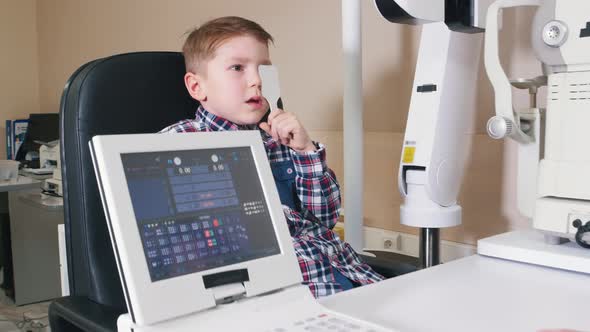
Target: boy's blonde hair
201, 43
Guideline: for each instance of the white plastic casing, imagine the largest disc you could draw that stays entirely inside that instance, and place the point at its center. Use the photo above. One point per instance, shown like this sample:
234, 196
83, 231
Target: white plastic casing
420, 211
564, 173
436, 140
563, 182
151, 302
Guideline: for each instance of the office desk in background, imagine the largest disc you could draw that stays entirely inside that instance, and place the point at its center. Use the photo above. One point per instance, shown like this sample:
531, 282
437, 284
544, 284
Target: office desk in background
34, 240
475, 293
20, 183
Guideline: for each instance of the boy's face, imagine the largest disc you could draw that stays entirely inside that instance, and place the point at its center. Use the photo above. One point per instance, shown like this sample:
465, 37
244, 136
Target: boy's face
230, 86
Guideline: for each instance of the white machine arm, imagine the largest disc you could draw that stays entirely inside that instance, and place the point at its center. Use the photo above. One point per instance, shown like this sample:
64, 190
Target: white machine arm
441, 114
504, 124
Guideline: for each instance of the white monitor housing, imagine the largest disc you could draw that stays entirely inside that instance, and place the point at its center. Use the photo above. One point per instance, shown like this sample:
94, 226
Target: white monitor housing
128, 168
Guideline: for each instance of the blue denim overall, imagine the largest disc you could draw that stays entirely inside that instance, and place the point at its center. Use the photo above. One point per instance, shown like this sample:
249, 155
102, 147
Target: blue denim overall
284, 175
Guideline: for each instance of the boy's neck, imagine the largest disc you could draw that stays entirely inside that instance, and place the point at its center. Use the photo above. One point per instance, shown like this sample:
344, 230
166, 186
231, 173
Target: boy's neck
220, 122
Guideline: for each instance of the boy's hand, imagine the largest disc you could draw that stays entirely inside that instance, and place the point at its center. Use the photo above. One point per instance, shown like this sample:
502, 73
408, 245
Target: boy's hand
286, 129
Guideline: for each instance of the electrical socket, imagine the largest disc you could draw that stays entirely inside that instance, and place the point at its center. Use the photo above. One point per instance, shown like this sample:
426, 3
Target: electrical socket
391, 243
387, 243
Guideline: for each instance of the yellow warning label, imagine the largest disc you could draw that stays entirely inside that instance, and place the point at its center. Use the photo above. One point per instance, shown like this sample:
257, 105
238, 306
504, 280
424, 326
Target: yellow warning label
409, 152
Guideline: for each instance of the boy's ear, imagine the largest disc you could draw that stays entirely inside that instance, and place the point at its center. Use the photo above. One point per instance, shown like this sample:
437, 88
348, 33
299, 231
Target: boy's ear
194, 85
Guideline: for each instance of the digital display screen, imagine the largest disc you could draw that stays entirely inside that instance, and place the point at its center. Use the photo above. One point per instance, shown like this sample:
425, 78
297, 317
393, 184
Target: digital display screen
198, 209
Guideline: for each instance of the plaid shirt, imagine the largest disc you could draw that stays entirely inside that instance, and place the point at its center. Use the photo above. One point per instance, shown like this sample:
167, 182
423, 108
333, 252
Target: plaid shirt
319, 250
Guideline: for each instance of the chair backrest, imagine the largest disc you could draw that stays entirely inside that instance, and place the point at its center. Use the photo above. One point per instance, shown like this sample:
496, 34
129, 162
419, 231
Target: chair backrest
128, 93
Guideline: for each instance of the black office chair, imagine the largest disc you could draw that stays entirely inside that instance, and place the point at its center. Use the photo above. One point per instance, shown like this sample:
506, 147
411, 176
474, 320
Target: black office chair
128, 93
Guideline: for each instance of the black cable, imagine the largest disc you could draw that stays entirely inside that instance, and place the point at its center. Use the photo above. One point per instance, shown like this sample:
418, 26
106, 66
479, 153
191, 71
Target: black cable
582, 229
31, 323
26, 322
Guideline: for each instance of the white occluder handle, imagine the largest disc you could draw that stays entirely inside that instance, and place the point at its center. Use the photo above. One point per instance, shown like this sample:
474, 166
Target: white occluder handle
271, 90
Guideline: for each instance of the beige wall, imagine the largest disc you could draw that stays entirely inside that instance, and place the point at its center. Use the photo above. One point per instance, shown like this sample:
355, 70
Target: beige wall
19, 66
307, 52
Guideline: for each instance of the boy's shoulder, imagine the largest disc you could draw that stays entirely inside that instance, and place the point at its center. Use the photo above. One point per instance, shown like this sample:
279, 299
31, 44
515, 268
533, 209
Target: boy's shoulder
185, 126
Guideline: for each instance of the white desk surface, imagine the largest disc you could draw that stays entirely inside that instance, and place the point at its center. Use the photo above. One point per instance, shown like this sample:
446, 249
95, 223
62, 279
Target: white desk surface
476, 293
20, 183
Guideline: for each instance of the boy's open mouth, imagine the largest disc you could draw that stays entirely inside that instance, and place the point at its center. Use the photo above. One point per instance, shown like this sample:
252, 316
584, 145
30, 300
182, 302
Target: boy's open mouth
255, 101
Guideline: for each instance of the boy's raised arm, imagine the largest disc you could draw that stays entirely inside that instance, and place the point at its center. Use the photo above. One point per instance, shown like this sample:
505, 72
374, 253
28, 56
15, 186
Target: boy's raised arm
316, 185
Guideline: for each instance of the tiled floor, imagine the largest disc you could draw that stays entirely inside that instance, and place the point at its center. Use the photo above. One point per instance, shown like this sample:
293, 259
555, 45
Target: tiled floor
7, 326
32, 317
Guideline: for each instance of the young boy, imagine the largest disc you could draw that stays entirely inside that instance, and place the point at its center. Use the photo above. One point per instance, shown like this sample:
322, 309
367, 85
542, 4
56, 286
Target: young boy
222, 58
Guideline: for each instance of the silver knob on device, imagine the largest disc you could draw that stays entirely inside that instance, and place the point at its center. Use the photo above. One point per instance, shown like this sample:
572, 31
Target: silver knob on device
499, 127
555, 33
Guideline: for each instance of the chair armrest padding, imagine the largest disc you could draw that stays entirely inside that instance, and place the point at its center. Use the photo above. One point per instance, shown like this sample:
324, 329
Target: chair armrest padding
76, 313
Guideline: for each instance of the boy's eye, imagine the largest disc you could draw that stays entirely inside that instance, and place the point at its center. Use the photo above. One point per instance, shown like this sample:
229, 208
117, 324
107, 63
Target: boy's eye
236, 67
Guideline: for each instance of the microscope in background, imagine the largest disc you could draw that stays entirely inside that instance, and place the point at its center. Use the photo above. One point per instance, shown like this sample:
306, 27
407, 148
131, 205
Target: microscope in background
39, 153
49, 159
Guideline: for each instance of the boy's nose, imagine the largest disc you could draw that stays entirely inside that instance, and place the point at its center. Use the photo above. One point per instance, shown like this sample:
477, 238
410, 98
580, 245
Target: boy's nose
255, 79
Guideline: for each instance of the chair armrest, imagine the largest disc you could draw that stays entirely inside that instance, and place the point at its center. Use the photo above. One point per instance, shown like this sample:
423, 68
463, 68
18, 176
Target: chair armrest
76, 313
390, 264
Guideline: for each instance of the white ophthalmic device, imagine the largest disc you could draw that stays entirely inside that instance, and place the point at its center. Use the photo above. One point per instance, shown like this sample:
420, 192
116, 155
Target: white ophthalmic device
555, 192
553, 143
